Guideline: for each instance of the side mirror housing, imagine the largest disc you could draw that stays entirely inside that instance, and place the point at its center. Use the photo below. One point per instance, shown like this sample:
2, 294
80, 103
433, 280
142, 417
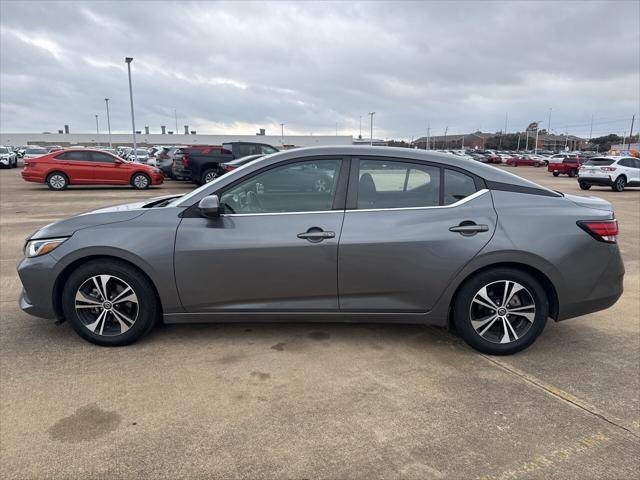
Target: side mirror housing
209, 206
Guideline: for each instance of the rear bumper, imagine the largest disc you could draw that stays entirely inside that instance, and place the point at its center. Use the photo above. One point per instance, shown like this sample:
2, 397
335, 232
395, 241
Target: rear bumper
31, 177
596, 180
607, 290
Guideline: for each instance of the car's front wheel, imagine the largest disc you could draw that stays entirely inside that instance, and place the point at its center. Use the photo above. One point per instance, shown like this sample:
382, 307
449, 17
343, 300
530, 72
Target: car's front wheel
500, 311
140, 181
619, 184
109, 302
584, 185
555, 174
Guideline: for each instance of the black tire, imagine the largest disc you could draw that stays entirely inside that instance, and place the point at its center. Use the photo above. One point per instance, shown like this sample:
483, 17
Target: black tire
147, 312
573, 172
555, 174
537, 165
57, 181
140, 181
462, 311
209, 175
584, 185
619, 184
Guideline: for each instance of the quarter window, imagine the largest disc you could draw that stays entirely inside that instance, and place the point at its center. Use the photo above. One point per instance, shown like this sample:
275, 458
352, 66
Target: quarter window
390, 184
457, 186
296, 187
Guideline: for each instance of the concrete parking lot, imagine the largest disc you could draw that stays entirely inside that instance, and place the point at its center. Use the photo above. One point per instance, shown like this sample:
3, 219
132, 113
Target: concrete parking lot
312, 400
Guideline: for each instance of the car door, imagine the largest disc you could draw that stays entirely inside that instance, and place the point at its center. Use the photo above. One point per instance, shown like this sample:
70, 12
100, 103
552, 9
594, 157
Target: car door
77, 165
268, 251
408, 229
109, 170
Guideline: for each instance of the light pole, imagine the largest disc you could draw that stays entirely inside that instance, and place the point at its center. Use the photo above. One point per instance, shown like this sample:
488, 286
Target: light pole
549, 122
128, 60
535, 150
360, 136
106, 100
371, 114
175, 117
282, 133
97, 131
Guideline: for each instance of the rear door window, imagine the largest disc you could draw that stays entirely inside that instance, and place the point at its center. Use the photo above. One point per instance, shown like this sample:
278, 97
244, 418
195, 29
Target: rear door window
396, 184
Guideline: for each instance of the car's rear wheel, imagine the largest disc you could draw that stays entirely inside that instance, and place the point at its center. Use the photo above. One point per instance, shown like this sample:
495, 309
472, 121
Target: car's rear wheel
555, 174
500, 311
140, 181
57, 181
619, 184
573, 172
584, 185
209, 175
109, 303
537, 165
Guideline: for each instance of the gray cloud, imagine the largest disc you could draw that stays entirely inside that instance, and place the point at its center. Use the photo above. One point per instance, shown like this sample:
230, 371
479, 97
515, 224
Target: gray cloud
234, 67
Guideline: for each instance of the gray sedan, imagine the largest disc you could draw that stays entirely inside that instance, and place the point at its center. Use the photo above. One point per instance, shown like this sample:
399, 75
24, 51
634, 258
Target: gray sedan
395, 235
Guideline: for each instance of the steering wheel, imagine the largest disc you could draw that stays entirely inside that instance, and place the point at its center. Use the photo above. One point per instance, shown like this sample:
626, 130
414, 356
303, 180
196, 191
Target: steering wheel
253, 200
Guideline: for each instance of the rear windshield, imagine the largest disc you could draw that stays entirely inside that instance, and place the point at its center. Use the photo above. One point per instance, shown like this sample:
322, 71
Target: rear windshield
570, 160
600, 162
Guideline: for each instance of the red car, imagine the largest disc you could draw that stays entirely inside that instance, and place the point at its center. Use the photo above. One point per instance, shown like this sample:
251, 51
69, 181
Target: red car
516, 161
88, 167
569, 166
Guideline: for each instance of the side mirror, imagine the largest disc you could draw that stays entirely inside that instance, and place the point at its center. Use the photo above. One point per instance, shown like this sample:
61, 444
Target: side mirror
209, 206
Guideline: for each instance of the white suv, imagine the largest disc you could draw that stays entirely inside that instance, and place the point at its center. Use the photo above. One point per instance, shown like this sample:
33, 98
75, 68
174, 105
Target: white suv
616, 172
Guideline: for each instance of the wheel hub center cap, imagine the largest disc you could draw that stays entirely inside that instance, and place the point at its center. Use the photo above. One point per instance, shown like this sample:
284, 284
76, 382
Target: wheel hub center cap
502, 312
107, 305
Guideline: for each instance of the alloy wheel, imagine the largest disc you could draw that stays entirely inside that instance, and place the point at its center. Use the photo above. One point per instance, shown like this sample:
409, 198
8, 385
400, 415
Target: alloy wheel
502, 311
210, 177
141, 181
106, 305
57, 181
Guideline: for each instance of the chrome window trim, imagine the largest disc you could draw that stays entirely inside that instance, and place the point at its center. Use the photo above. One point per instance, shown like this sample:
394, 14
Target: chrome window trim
453, 205
278, 213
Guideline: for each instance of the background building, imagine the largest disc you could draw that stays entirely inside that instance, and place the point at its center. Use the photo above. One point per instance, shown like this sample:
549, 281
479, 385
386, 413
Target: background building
147, 140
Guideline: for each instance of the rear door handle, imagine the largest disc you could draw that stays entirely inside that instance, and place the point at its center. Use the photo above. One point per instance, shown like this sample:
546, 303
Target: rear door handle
469, 228
315, 235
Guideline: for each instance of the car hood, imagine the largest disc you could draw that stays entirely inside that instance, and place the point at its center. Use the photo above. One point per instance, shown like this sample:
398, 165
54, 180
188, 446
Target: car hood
94, 218
590, 202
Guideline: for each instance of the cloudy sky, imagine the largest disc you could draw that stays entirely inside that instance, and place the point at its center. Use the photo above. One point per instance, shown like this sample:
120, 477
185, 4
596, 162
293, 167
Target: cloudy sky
236, 67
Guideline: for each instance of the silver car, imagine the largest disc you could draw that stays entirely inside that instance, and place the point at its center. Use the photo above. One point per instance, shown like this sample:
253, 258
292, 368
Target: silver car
397, 235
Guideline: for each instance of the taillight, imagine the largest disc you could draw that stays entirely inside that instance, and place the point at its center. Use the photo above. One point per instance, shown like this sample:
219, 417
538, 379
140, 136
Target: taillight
608, 169
185, 159
601, 230
228, 168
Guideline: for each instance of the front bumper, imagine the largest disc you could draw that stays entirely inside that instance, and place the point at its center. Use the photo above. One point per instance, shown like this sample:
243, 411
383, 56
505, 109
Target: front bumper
38, 276
157, 179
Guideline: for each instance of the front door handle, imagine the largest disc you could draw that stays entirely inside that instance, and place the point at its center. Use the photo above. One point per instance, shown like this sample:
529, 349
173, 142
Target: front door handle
469, 228
315, 234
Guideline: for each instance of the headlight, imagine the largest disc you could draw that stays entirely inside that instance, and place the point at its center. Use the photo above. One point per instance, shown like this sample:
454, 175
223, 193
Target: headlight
35, 248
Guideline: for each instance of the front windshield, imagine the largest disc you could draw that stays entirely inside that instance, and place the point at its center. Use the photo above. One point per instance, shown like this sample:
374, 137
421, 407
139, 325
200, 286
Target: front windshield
36, 151
4, 150
184, 200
